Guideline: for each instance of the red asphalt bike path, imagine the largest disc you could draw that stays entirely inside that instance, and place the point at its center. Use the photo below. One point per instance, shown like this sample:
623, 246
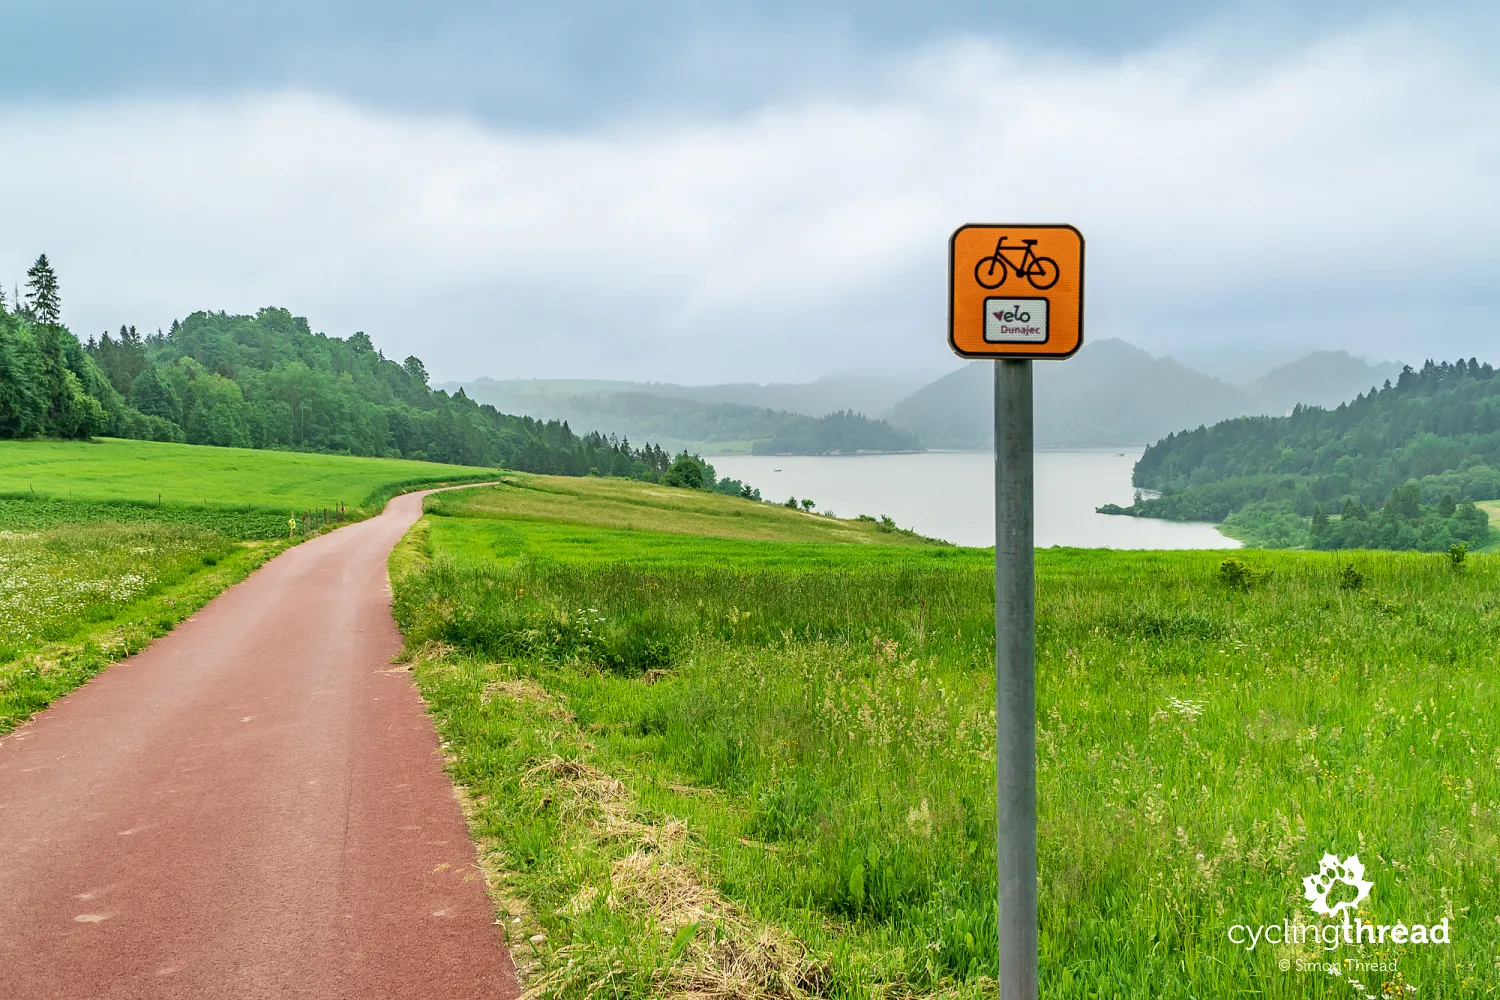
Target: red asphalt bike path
254, 806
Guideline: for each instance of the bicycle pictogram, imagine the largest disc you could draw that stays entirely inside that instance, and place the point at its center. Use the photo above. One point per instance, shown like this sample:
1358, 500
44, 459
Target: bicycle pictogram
992, 271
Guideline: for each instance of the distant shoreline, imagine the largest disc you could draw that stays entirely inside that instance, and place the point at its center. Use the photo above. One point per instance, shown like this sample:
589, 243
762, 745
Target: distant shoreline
1081, 450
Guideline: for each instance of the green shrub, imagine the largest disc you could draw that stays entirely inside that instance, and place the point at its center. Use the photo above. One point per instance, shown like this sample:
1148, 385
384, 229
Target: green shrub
1238, 576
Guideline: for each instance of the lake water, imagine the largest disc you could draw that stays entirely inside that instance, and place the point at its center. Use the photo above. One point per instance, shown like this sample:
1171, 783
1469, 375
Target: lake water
951, 495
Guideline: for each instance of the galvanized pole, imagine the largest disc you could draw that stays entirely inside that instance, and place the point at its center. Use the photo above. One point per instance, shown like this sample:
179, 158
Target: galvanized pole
1015, 681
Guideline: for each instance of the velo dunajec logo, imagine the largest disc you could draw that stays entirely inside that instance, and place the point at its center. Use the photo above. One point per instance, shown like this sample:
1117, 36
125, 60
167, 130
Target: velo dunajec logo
1334, 892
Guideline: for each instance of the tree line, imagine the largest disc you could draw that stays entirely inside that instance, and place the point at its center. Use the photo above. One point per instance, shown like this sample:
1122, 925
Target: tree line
1398, 467
843, 432
269, 381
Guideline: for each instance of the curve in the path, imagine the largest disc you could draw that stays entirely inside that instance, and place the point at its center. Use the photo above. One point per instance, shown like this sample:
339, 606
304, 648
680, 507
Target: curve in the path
255, 806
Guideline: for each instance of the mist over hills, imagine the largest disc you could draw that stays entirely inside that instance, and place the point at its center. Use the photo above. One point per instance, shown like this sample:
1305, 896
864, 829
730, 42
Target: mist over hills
1323, 378
869, 394
1112, 394
722, 419
1109, 394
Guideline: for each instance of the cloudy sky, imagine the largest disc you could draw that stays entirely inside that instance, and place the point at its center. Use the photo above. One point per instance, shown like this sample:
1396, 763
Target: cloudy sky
695, 192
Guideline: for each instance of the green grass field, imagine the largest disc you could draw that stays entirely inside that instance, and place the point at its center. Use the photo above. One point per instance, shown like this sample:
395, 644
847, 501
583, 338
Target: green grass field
111, 469
718, 748
106, 545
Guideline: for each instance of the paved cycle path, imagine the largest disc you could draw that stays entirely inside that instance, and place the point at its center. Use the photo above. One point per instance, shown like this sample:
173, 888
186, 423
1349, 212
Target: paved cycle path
254, 806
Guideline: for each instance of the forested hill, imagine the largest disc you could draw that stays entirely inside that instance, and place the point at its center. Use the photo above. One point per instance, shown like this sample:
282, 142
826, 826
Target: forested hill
667, 415
1432, 438
841, 433
268, 381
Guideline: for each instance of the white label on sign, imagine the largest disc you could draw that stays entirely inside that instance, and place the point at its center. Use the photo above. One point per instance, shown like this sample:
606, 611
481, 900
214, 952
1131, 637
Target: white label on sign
1015, 321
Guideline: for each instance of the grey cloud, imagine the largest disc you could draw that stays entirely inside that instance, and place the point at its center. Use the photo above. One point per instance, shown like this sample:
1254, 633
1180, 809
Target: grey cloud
1305, 195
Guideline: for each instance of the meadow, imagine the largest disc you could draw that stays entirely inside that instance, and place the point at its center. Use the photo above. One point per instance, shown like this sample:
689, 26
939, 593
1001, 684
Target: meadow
153, 471
712, 747
107, 545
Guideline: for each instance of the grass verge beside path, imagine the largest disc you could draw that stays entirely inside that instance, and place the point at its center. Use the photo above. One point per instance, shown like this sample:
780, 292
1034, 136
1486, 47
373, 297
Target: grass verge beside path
77, 598
702, 764
88, 580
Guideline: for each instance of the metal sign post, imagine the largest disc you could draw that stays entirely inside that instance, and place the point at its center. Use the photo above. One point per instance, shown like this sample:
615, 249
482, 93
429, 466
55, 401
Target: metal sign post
1015, 680
1015, 293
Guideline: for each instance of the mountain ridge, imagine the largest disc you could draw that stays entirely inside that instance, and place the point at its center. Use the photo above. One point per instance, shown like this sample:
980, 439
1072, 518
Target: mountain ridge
1114, 394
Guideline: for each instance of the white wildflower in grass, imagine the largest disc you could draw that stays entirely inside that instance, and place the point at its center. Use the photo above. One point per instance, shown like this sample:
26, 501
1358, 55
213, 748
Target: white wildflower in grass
55, 580
1185, 708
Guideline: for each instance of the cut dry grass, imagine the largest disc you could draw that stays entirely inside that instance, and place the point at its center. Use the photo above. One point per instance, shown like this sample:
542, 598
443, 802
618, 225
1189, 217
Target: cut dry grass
645, 871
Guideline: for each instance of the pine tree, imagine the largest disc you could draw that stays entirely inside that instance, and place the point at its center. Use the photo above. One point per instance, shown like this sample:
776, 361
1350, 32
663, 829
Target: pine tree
122, 359
41, 283
154, 395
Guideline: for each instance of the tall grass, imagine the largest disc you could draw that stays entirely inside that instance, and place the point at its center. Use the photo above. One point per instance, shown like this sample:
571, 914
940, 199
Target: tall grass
822, 722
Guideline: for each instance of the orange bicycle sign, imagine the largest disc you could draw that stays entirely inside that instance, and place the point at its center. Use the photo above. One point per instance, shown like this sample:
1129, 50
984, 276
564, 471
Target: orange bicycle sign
1015, 291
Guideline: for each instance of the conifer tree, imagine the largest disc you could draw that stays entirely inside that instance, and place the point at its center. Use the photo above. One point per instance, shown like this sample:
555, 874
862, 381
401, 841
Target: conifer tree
41, 283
